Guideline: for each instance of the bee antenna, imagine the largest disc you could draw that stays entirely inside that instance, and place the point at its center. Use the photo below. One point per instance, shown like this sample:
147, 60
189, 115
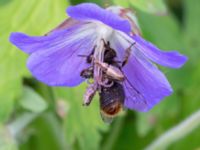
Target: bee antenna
132, 44
104, 42
82, 55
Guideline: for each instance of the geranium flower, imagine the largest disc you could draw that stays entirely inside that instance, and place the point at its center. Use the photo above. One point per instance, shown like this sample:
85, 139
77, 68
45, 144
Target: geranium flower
54, 58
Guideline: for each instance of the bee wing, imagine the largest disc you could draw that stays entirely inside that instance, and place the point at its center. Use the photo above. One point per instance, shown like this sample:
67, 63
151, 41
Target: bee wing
145, 85
133, 98
142, 75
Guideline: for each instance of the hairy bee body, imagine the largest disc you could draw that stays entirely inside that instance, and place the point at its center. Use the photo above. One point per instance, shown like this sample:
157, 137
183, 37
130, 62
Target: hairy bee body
108, 84
111, 100
90, 93
87, 73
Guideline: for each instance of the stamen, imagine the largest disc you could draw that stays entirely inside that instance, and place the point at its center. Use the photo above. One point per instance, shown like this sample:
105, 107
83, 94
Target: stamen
98, 55
126, 37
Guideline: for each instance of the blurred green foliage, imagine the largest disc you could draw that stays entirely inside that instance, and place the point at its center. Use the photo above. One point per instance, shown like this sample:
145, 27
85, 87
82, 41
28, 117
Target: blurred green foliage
36, 117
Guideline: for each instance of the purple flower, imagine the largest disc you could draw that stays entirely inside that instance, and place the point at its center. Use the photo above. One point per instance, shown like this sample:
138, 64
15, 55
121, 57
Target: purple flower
55, 58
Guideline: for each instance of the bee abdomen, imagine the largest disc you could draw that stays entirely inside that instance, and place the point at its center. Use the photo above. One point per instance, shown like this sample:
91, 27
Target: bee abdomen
112, 109
112, 99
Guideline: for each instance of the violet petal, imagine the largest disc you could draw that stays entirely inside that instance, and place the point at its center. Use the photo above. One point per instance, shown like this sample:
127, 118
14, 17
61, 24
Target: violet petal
54, 58
150, 82
30, 44
134, 100
145, 85
171, 59
90, 11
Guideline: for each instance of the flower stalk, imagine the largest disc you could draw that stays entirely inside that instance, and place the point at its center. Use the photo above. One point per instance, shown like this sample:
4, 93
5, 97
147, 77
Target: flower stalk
176, 133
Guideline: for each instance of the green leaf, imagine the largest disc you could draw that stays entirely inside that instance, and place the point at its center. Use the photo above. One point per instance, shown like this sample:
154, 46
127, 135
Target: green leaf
83, 124
150, 6
191, 97
75, 2
48, 134
122, 3
31, 101
35, 17
191, 32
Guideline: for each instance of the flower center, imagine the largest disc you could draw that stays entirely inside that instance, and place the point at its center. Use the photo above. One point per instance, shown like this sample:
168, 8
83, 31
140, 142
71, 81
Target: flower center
104, 34
103, 30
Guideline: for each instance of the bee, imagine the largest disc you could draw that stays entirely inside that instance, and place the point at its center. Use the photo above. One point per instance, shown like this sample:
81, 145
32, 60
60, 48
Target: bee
87, 73
90, 93
109, 54
111, 101
109, 66
112, 94
110, 71
127, 54
111, 75
111, 98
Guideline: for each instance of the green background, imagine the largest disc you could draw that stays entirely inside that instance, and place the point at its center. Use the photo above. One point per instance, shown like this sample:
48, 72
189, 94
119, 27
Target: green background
34, 116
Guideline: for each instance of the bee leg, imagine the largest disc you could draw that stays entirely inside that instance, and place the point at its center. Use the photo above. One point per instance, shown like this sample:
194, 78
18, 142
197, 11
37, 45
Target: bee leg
87, 73
88, 57
127, 54
92, 52
110, 70
107, 45
104, 42
86, 102
106, 83
89, 94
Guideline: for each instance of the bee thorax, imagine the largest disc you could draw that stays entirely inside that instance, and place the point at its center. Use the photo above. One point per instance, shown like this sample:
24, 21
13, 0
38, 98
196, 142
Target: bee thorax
115, 73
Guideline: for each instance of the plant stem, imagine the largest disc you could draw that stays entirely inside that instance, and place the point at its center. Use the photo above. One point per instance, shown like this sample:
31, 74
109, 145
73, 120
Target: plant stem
114, 134
176, 133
